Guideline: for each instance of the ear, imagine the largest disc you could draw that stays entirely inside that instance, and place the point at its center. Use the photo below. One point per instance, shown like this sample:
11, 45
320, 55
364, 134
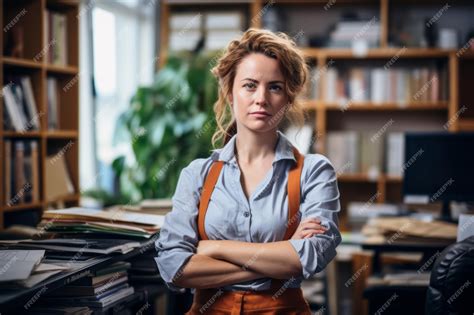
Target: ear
230, 99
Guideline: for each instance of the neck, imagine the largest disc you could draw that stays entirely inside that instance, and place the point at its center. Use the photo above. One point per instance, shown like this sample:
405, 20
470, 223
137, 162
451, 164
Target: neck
254, 146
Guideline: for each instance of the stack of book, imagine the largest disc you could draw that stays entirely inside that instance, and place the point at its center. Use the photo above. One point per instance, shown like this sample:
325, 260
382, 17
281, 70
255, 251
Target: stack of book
56, 37
21, 111
103, 288
218, 28
353, 152
118, 222
379, 85
21, 171
346, 32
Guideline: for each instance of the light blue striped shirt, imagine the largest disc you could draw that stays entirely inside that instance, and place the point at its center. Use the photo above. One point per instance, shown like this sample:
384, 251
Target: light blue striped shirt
260, 219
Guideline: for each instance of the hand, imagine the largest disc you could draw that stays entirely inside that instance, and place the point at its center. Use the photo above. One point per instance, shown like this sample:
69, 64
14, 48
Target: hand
307, 228
208, 248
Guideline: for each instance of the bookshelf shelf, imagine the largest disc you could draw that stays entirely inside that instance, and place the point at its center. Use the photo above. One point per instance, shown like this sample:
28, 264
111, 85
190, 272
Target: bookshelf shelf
56, 69
20, 62
62, 134
369, 106
378, 53
29, 54
23, 206
16, 134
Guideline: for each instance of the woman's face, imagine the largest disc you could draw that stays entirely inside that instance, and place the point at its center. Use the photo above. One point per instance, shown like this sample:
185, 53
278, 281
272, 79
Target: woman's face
258, 95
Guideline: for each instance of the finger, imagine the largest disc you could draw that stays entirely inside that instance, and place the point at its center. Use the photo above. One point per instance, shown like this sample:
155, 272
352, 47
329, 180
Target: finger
312, 232
317, 220
313, 226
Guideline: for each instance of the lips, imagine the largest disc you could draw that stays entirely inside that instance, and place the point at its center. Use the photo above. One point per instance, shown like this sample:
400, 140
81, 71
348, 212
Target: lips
260, 113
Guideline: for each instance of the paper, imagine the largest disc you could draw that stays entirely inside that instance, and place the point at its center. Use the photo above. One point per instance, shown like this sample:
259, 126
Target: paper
116, 215
465, 227
18, 264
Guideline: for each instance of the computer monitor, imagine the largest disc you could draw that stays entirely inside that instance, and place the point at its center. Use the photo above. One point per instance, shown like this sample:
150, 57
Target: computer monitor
439, 167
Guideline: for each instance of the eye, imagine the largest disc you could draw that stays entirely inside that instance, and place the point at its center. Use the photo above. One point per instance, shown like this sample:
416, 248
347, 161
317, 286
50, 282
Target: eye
250, 85
276, 88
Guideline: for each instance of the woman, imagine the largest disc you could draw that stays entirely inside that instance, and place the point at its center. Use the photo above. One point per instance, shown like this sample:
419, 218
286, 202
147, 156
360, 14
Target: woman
256, 217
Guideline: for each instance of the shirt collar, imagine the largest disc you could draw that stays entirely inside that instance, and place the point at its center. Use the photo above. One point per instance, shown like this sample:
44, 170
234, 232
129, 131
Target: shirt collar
284, 150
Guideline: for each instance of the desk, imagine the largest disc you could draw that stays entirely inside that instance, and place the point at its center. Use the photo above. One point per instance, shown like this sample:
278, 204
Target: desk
428, 251
9, 301
393, 299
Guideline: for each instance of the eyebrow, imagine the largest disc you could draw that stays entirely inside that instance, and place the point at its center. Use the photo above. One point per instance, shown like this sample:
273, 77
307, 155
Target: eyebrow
256, 81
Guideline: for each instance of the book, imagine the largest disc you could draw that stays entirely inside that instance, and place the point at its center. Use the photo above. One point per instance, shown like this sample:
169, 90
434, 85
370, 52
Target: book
8, 170
89, 291
371, 159
55, 29
20, 183
35, 194
53, 99
58, 183
395, 154
27, 87
92, 302
343, 151
100, 279
15, 116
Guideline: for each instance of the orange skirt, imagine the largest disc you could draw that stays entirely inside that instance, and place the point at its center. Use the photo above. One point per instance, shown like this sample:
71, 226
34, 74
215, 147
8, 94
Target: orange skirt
289, 301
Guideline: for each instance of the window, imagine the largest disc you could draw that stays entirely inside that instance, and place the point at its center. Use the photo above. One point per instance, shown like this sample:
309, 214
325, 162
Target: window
119, 53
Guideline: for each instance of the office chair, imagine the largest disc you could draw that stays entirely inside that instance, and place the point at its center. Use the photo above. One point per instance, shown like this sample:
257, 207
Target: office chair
451, 289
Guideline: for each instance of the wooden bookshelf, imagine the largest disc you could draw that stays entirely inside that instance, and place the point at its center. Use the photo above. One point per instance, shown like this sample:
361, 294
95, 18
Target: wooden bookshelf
29, 15
459, 74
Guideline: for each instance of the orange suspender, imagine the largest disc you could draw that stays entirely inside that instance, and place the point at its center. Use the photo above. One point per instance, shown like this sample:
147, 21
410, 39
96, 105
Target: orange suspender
206, 193
293, 189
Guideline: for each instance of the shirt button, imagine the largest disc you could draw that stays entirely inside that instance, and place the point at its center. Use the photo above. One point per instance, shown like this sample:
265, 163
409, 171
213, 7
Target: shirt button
246, 214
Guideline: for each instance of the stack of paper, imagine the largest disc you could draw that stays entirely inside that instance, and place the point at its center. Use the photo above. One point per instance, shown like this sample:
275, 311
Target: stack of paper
96, 246
151, 206
23, 268
117, 221
406, 230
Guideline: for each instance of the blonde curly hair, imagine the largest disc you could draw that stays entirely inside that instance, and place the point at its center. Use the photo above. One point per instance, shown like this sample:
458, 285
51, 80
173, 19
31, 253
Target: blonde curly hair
274, 45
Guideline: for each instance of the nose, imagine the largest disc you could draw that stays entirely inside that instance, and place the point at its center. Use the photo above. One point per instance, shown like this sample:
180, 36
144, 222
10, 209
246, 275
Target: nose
261, 95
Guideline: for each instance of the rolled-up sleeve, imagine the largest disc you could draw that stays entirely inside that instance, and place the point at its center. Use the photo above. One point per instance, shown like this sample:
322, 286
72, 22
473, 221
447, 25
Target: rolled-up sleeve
320, 199
178, 236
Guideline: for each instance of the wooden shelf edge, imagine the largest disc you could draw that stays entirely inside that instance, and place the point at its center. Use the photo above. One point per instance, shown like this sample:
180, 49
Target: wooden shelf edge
62, 69
18, 134
23, 206
61, 134
401, 52
21, 62
369, 106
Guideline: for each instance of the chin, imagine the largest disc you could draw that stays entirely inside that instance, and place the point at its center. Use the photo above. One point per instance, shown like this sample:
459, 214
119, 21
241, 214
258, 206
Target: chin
260, 126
